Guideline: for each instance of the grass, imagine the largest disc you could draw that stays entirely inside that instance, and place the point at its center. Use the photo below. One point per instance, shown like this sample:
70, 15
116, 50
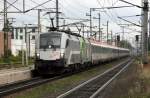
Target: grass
51, 90
13, 62
141, 87
145, 77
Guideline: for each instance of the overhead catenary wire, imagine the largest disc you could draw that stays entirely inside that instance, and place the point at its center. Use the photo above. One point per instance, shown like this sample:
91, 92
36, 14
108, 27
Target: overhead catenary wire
74, 14
107, 13
72, 7
14, 6
9, 5
68, 11
38, 6
112, 19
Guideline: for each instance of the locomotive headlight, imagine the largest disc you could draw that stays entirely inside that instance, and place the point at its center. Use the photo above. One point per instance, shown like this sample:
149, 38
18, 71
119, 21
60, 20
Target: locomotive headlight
38, 55
62, 55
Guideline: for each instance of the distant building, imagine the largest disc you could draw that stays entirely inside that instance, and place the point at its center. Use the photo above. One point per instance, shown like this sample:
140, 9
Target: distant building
19, 39
2, 42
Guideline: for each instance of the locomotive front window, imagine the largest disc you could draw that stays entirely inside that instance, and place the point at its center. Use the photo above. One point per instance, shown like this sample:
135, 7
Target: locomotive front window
50, 40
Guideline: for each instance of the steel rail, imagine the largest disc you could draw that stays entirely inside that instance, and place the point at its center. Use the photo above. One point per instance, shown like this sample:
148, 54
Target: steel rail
91, 80
13, 88
110, 81
20, 86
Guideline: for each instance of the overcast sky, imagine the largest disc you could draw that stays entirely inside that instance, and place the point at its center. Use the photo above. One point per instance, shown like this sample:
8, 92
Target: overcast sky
79, 9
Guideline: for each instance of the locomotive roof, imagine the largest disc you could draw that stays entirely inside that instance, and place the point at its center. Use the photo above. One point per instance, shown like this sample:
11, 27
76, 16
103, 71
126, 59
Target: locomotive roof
62, 31
91, 41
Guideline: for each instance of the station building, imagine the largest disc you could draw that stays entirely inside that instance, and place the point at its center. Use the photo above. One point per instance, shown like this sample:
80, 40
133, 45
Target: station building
20, 36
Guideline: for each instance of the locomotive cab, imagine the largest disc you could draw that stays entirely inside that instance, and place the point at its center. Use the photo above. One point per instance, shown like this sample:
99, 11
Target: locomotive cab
50, 52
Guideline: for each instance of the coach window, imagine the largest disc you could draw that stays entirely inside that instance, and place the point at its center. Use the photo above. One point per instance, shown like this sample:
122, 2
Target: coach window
33, 30
21, 37
33, 37
21, 30
16, 33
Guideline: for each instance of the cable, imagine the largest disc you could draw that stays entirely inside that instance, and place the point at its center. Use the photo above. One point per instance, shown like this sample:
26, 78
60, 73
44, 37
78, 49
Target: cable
10, 4
80, 5
114, 3
113, 11
38, 5
107, 13
67, 10
14, 6
77, 9
112, 17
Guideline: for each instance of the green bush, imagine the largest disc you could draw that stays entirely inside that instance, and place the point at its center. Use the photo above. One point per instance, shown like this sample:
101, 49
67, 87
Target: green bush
14, 59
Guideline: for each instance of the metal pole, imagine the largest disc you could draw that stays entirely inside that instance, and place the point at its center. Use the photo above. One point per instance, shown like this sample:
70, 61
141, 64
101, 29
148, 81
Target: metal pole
4, 29
39, 22
101, 36
23, 5
123, 36
137, 48
111, 38
64, 22
39, 31
7, 30
107, 30
145, 32
57, 15
115, 39
122, 32
29, 45
99, 26
88, 34
83, 30
90, 22
22, 53
149, 35
27, 40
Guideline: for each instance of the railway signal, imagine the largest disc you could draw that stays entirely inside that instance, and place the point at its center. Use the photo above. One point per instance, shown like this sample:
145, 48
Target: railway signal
144, 27
137, 38
118, 38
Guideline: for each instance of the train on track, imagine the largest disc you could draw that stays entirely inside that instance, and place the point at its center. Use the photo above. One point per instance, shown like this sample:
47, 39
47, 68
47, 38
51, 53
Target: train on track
58, 51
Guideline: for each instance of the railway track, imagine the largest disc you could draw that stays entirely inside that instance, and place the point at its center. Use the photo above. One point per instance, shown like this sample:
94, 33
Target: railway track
93, 87
15, 87
20, 86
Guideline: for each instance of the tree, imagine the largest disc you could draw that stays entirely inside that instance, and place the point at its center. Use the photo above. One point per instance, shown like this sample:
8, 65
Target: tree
125, 44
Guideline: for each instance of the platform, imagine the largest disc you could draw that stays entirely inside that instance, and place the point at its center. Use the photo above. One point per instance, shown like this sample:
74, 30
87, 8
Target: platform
15, 74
